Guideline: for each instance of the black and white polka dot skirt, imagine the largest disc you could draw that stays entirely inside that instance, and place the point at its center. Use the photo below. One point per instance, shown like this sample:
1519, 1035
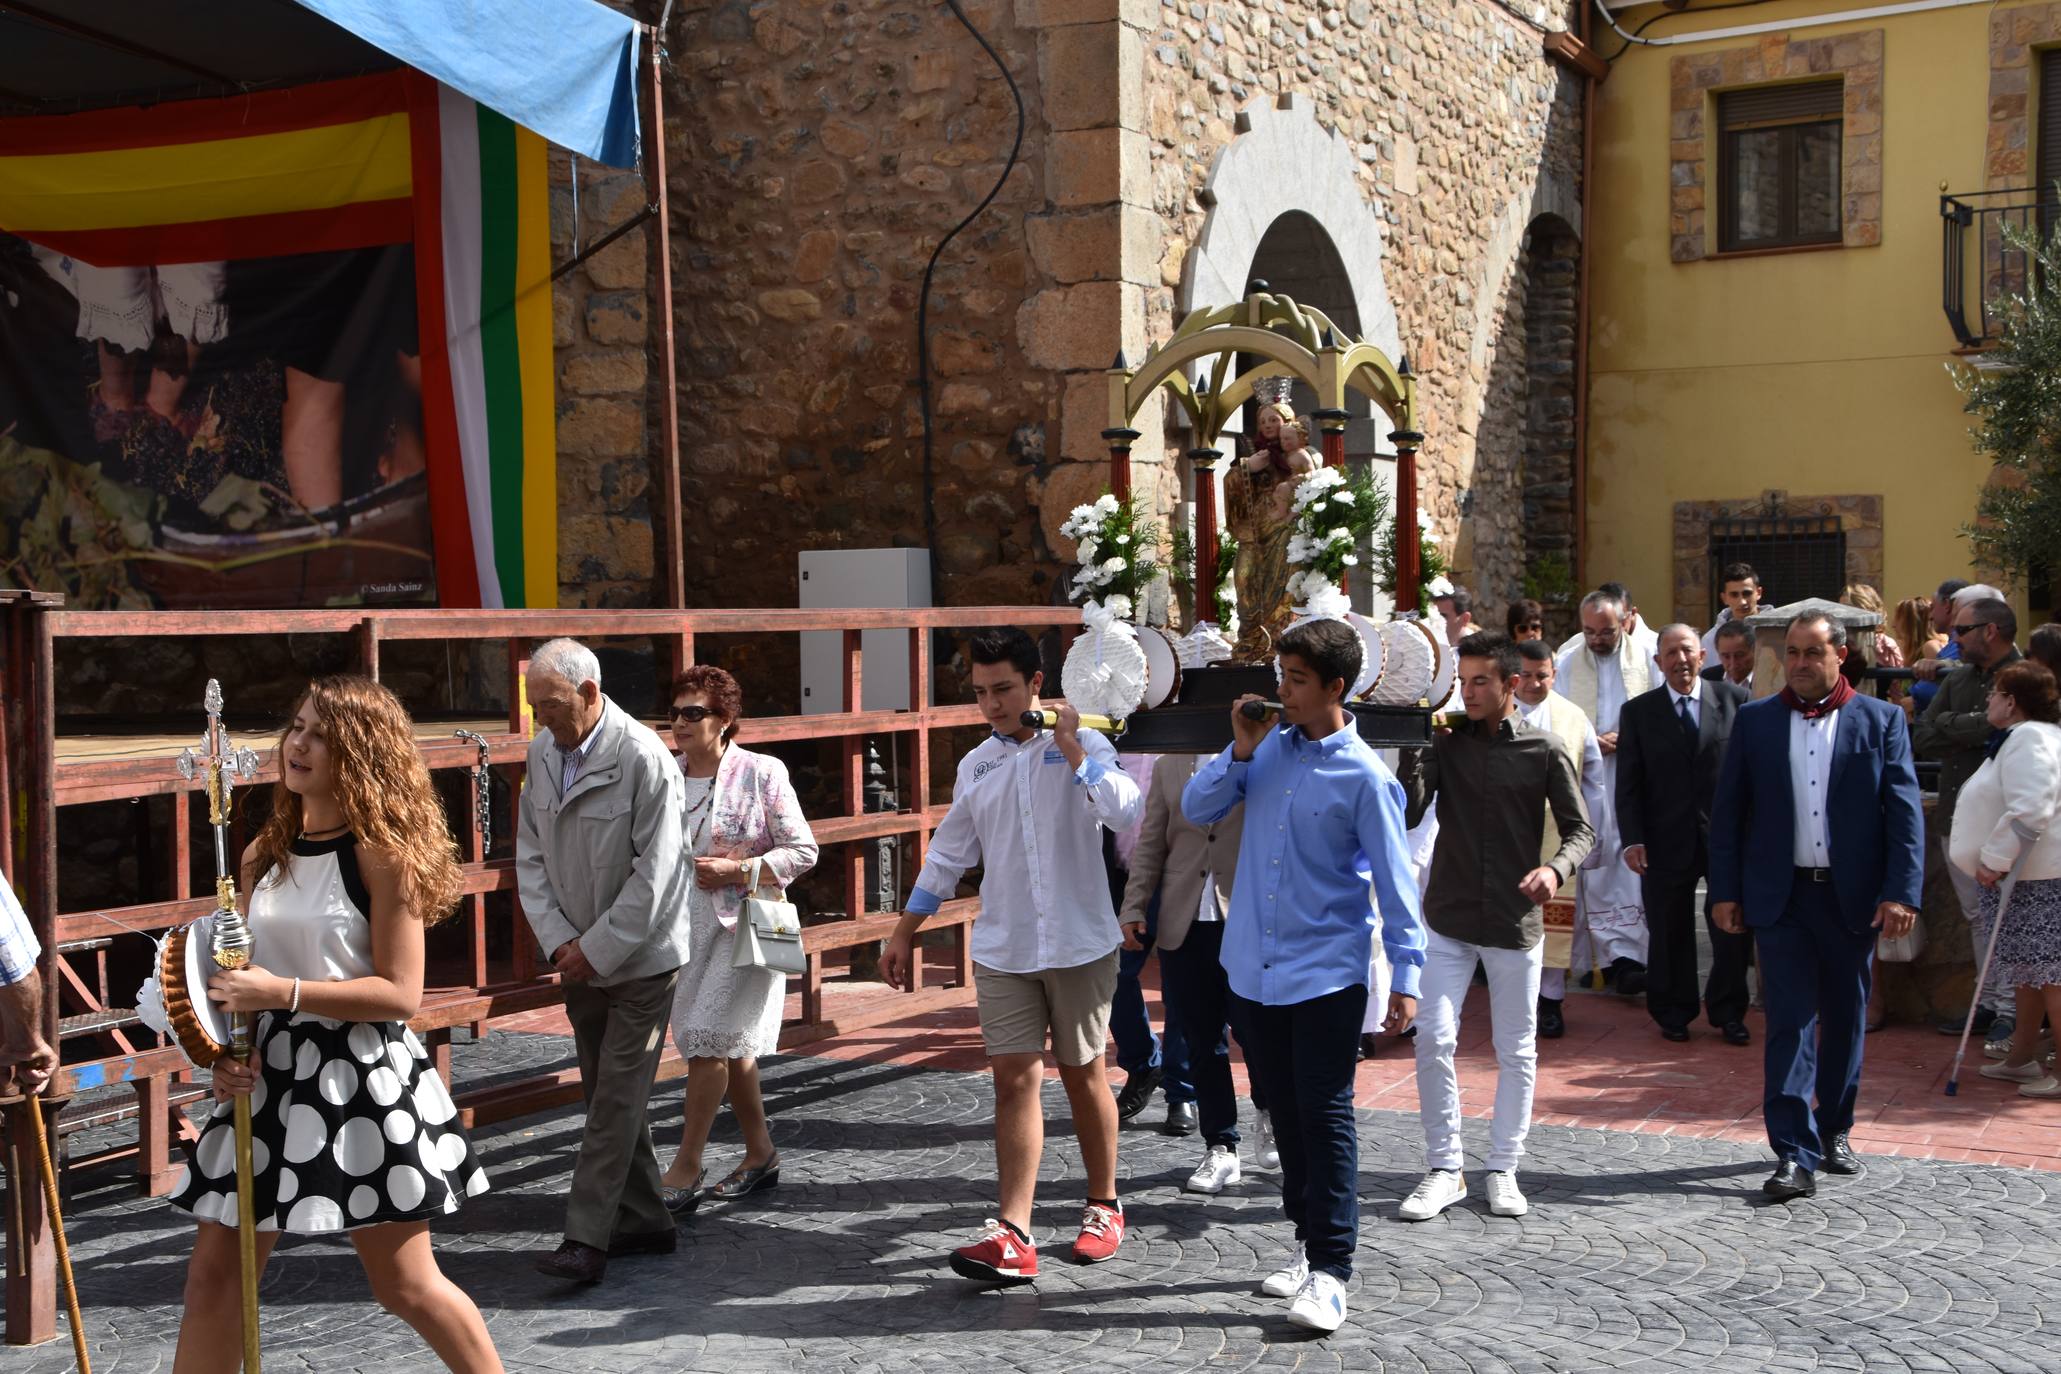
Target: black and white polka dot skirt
350, 1126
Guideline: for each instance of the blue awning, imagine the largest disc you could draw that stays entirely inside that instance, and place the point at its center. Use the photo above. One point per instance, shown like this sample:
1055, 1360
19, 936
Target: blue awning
566, 69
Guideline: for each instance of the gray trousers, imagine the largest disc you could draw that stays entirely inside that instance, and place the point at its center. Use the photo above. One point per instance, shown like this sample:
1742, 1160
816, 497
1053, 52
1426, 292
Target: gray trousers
619, 1032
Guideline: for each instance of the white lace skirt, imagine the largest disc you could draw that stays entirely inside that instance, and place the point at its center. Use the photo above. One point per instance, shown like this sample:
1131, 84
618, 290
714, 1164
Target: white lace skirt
722, 1012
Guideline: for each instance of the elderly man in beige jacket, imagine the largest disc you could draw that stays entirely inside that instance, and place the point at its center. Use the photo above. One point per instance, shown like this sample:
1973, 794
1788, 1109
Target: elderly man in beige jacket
1189, 869
603, 879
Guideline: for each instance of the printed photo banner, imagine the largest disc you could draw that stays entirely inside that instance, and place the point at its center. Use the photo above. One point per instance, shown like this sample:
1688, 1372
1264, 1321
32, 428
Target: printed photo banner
393, 158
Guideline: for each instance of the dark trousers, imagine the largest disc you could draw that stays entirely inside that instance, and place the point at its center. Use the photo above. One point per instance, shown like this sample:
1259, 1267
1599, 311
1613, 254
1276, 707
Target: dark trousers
618, 1033
1814, 983
1307, 1054
1198, 1008
1137, 1048
1671, 957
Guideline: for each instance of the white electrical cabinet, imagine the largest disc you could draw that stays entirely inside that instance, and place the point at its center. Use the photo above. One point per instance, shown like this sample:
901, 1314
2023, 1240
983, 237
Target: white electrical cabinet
878, 579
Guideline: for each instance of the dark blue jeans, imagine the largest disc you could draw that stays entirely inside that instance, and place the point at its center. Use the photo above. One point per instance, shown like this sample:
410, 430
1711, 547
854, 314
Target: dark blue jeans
1198, 1008
1814, 982
1137, 1048
1307, 1055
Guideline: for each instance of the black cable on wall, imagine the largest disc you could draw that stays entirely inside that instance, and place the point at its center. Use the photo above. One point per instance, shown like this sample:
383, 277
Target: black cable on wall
923, 303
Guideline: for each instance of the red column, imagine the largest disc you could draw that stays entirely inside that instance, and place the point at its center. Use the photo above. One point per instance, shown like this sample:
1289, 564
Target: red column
1408, 536
1120, 441
1333, 422
1205, 530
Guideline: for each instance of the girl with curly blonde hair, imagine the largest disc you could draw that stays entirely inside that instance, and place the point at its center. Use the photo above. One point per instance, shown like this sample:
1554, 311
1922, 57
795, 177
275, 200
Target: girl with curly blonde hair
352, 1130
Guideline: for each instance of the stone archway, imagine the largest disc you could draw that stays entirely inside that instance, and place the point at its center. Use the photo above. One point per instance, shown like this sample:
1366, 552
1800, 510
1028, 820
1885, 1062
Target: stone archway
1247, 195
1311, 236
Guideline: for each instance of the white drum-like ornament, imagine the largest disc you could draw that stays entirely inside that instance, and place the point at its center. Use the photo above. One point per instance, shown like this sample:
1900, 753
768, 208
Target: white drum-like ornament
185, 963
1162, 666
1373, 655
1412, 663
1105, 673
1446, 674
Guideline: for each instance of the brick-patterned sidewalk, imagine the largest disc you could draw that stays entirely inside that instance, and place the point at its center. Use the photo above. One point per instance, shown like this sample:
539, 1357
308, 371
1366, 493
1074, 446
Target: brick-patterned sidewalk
1614, 1072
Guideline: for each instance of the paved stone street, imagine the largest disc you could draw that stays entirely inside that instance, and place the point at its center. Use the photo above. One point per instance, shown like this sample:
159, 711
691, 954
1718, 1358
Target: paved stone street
1643, 1251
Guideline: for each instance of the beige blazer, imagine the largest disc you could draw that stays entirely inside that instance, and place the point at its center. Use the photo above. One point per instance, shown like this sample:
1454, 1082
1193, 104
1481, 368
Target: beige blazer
1174, 853
604, 864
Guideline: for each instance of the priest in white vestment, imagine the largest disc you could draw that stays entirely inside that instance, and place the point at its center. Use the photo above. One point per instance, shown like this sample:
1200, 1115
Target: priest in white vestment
1599, 675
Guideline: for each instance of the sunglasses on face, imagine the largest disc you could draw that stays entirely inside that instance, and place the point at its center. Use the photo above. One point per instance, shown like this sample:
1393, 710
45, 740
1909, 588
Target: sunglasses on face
1960, 630
693, 715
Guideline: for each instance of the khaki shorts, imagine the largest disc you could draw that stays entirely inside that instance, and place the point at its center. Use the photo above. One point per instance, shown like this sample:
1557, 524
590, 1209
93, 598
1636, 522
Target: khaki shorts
1016, 1009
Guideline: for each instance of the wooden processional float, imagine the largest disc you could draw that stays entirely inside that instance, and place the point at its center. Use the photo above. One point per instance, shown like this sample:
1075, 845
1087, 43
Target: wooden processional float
1160, 695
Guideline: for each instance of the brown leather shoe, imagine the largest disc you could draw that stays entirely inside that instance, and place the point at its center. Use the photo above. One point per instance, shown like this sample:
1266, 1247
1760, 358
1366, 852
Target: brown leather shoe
575, 1263
645, 1243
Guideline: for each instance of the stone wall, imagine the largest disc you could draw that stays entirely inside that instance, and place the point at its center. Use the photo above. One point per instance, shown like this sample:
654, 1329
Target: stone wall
1550, 268
1463, 132
818, 152
609, 440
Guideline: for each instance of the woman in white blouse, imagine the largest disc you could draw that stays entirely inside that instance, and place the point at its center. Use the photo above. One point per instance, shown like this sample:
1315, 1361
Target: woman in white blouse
2007, 809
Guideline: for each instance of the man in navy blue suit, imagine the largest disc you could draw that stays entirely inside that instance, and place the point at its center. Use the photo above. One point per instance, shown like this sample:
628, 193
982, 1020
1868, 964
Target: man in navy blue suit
1821, 777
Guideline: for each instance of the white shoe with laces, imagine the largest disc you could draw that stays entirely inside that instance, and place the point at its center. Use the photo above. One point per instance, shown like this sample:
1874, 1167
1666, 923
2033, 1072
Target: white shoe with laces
1320, 1305
1218, 1171
1440, 1189
1286, 1283
1505, 1198
1265, 1155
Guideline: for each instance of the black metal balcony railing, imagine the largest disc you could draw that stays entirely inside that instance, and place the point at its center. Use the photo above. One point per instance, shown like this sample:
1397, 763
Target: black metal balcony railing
1983, 257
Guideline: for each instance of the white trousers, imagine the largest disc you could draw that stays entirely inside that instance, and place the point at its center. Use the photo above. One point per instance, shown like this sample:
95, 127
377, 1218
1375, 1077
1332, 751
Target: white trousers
1513, 976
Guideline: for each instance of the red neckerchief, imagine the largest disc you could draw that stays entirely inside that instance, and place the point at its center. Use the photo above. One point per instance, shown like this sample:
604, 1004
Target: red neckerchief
1842, 692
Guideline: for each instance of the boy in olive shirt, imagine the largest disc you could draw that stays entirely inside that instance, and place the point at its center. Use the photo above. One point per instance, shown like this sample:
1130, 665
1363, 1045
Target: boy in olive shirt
1494, 777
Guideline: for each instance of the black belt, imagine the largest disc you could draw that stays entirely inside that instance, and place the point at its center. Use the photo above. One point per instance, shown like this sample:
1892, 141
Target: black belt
1813, 875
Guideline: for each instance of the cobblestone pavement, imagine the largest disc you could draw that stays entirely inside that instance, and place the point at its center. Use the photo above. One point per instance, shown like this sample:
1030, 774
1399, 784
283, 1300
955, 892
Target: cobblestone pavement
1643, 1252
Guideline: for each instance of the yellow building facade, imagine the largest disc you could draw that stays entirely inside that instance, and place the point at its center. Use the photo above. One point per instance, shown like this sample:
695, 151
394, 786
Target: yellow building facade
1769, 370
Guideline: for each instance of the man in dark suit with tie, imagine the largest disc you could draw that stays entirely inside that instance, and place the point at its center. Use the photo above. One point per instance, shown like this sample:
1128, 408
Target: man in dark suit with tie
1669, 744
1821, 776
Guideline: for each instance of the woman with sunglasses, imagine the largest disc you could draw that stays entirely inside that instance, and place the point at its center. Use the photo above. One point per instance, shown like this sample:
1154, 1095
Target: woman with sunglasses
740, 808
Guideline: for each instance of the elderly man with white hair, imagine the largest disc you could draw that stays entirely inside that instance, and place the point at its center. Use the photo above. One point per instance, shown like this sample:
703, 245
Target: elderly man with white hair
600, 863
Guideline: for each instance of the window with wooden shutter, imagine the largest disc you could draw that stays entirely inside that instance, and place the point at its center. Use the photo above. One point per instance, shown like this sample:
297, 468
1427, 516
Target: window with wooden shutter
1778, 166
2047, 139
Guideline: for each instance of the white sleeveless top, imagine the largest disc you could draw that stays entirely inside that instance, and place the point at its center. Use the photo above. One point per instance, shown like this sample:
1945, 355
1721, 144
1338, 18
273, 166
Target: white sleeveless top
312, 919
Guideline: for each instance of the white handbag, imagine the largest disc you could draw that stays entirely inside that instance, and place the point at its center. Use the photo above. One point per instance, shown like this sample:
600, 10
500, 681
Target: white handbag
1904, 948
768, 929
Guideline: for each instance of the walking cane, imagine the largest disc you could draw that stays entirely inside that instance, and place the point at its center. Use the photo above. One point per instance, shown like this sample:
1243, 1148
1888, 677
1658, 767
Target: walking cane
2006, 890
33, 1110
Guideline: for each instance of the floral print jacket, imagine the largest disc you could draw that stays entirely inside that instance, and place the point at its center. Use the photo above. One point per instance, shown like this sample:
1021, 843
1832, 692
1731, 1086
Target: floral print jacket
757, 815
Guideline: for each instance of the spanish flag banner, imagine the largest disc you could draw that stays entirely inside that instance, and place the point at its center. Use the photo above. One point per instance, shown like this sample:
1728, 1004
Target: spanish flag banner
394, 158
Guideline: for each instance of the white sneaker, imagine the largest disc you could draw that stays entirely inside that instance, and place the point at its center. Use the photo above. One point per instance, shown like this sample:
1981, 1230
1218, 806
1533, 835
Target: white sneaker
1505, 1198
1286, 1283
1440, 1189
1319, 1304
1218, 1171
1265, 1155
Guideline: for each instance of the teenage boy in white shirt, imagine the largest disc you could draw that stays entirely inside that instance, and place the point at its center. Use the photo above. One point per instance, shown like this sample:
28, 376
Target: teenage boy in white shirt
1028, 808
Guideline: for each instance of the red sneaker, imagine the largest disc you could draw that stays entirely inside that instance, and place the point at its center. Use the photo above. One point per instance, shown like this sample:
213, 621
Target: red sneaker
1102, 1231
999, 1256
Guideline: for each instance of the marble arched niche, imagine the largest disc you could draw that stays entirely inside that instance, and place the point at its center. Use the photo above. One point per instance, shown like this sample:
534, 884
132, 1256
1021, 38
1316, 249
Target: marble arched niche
1283, 160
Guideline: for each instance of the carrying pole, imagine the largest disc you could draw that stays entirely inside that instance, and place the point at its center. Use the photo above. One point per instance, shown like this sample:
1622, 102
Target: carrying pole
32, 1107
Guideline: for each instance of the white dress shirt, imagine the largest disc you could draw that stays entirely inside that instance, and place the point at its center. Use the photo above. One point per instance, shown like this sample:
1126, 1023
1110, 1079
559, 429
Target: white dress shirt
1810, 778
1034, 825
1595, 793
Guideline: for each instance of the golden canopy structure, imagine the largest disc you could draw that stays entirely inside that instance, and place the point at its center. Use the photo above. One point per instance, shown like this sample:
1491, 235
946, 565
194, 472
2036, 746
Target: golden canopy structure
1289, 340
